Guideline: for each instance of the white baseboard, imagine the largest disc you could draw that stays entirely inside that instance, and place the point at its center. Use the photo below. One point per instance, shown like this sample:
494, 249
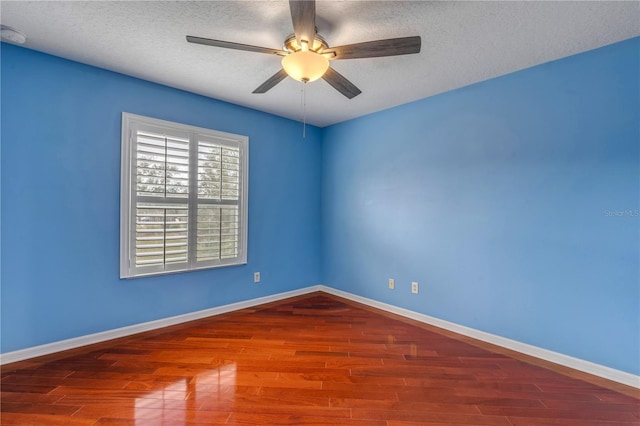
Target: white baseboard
547, 355
90, 339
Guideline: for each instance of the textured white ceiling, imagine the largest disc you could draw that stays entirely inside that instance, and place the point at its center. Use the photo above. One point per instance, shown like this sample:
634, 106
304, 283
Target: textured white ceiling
462, 43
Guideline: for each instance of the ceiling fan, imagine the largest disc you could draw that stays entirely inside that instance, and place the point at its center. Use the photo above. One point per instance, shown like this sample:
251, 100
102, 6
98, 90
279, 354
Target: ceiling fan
306, 54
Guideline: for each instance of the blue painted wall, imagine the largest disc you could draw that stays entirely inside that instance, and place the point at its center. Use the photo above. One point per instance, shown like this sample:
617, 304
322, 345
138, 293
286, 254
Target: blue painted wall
61, 124
513, 202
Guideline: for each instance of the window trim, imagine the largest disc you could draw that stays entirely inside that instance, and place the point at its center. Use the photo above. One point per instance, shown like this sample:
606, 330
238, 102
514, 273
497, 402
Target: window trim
128, 194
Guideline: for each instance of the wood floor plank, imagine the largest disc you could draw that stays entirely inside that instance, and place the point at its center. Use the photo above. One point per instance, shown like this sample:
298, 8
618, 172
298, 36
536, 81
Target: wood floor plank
591, 413
311, 360
428, 416
252, 419
532, 421
38, 408
30, 419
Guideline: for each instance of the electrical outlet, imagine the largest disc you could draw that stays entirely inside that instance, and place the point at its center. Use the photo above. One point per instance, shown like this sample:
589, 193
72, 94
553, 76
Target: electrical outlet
414, 287
256, 277
392, 283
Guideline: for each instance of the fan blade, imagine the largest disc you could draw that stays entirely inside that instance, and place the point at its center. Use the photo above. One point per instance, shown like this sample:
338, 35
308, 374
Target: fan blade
378, 48
340, 83
303, 16
272, 81
237, 46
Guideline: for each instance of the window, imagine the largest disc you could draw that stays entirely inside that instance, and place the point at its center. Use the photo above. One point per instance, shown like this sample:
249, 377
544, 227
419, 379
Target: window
183, 198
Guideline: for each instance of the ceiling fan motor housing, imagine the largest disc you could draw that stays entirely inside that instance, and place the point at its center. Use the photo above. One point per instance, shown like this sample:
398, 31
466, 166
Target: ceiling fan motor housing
291, 44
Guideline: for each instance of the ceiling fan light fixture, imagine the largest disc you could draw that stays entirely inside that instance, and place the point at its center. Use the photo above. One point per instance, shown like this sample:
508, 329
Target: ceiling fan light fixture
307, 55
305, 66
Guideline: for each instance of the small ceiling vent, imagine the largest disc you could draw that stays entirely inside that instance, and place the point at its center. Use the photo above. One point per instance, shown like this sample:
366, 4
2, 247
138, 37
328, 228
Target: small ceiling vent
12, 35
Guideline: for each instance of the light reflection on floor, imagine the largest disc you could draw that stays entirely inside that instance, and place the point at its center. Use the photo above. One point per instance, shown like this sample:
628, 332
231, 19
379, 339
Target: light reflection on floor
216, 388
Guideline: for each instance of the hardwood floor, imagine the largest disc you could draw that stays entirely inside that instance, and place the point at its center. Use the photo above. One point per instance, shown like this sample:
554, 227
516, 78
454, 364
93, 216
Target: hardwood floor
313, 360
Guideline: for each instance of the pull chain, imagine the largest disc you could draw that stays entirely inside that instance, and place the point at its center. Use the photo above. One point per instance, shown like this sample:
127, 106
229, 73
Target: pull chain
303, 106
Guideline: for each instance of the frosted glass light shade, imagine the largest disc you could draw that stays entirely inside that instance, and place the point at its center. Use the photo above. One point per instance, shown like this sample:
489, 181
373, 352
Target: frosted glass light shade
305, 65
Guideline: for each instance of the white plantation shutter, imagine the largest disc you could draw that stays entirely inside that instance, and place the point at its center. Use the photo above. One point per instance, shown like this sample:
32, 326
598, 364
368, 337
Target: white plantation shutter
162, 167
218, 232
184, 197
218, 195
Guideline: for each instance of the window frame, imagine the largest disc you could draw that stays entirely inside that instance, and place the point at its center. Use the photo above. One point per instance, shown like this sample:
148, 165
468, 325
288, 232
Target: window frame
131, 123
